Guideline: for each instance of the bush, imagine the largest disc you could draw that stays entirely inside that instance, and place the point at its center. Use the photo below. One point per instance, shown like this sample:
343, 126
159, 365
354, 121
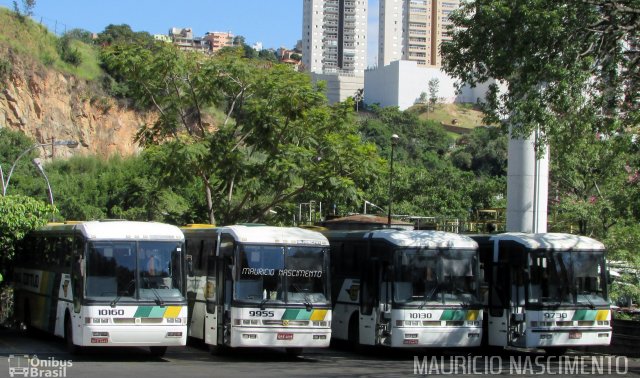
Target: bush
67, 53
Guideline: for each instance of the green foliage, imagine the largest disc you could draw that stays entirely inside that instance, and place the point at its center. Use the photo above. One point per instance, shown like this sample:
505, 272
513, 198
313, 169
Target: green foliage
67, 53
123, 33
5, 69
80, 35
24, 11
279, 139
566, 65
29, 41
18, 216
483, 151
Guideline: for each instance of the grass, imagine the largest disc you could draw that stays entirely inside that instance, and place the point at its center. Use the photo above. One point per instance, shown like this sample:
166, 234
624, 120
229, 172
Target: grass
467, 115
27, 38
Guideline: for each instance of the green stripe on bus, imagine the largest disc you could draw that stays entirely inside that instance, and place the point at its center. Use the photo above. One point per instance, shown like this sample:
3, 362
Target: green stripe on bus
296, 314
585, 315
143, 312
453, 315
290, 314
157, 312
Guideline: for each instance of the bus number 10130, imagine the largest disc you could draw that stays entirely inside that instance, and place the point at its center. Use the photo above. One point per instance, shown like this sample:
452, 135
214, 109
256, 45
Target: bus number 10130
420, 315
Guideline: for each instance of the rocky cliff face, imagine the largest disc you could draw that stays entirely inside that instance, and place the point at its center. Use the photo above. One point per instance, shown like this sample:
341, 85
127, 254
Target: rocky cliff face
44, 104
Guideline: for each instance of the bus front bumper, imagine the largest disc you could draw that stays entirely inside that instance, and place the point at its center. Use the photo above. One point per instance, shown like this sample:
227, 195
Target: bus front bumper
438, 337
545, 338
134, 336
286, 337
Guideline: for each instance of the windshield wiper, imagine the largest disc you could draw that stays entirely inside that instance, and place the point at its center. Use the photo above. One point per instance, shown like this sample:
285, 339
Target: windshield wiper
264, 301
427, 297
126, 290
307, 301
159, 300
585, 295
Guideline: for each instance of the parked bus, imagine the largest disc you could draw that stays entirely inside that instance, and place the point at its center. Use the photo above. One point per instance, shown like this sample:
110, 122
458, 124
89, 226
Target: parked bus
401, 288
258, 286
546, 290
104, 283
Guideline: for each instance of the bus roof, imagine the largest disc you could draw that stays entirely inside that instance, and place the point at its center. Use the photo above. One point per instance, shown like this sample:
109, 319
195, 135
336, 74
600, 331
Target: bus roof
119, 230
414, 238
554, 241
275, 235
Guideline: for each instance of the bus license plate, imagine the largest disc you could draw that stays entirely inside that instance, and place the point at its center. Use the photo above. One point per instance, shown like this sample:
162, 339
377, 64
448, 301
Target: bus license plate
285, 336
575, 335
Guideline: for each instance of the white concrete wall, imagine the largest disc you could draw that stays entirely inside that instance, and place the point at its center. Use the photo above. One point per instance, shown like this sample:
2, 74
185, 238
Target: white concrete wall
339, 88
401, 83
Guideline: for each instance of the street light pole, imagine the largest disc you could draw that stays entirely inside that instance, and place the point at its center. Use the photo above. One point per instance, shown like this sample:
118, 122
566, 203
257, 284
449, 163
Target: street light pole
38, 164
394, 141
68, 143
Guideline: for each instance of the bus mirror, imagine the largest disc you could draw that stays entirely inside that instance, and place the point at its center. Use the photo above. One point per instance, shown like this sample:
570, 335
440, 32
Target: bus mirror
189, 260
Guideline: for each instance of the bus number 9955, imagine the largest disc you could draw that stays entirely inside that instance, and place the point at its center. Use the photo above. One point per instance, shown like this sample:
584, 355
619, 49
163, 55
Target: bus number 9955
263, 313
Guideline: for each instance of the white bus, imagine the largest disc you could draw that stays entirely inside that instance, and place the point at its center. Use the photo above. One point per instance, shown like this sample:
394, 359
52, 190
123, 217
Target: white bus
104, 283
258, 286
546, 290
400, 288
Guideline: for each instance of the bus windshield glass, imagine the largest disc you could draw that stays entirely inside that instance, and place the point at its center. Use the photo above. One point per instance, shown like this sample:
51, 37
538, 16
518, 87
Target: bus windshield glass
133, 270
436, 277
563, 277
281, 274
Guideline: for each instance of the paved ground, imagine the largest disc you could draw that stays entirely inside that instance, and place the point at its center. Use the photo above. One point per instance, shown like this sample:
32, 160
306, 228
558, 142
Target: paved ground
195, 361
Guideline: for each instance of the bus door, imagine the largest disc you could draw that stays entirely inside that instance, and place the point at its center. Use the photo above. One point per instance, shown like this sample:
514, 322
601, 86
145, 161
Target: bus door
499, 298
224, 278
369, 298
212, 295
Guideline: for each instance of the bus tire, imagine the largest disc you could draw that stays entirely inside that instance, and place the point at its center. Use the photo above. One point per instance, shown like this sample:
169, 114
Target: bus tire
556, 351
293, 352
217, 350
354, 333
158, 351
68, 337
26, 319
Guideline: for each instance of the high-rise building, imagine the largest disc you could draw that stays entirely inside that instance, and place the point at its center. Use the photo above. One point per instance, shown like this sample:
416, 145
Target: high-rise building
413, 30
334, 44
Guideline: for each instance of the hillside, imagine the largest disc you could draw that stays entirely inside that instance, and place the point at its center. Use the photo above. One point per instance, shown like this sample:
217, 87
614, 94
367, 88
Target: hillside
46, 98
454, 117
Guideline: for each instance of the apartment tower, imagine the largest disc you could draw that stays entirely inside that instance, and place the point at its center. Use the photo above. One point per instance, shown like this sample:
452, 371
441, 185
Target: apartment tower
334, 44
413, 30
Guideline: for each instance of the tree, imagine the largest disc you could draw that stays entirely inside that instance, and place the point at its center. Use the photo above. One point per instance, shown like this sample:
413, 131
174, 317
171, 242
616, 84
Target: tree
570, 70
277, 138
568, 66
123, 34
27, 8
18, 216
434, 87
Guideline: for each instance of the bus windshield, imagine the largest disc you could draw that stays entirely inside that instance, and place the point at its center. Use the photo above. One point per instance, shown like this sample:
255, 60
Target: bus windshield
265, 271
563, 277
134, 270
433, 277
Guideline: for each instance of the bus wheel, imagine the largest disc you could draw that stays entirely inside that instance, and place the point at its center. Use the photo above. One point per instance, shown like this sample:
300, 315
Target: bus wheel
26, 320
354, 333
158, 351
556, 351
68, 337
217, 350
293, 352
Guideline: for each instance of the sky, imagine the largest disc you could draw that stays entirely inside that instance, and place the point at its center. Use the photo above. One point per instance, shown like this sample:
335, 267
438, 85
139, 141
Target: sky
275, 23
